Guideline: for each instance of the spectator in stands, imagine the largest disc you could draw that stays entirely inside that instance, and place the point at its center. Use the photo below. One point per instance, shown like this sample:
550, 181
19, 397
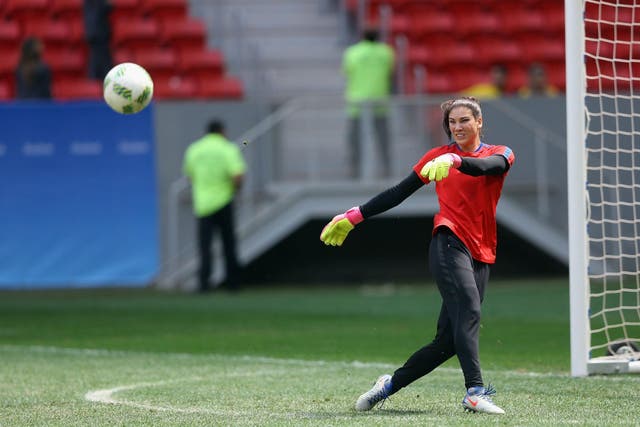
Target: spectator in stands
98, 35
537, 85
33, 75
368, 68
216, 168
490, 90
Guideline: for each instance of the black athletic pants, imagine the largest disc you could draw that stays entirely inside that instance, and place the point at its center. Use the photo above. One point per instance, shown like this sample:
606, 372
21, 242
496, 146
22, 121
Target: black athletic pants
223, 221
381, 134
461, 281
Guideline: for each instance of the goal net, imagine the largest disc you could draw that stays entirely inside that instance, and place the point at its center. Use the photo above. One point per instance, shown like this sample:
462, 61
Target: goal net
603, 127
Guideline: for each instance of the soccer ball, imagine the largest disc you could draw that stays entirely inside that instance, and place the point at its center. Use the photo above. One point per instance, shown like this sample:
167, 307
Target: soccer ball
128, 88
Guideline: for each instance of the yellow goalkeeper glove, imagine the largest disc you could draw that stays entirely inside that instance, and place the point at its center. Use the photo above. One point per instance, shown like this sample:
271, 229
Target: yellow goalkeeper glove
337, 229
438, 168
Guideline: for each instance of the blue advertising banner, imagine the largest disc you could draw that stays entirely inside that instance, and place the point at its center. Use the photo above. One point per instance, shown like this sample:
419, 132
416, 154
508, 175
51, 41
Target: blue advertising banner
78, 203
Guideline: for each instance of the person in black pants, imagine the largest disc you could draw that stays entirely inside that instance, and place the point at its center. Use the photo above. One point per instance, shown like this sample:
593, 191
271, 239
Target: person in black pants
468, 175
216, 168
221, 220
98, 35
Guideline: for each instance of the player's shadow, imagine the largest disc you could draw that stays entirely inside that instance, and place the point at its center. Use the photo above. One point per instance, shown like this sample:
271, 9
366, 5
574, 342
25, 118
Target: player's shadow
352, 413
396, 412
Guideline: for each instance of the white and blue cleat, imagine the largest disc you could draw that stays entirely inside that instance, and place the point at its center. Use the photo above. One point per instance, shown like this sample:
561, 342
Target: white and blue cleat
379, 392
478, 399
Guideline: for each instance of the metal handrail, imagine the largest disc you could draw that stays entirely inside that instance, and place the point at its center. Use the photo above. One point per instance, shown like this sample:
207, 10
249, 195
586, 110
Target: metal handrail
265, 126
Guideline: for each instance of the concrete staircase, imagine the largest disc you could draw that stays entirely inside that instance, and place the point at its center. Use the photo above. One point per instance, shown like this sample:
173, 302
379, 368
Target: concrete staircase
281, 48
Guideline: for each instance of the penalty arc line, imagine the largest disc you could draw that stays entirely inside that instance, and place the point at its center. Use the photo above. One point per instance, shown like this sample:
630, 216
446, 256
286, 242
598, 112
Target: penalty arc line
107, 396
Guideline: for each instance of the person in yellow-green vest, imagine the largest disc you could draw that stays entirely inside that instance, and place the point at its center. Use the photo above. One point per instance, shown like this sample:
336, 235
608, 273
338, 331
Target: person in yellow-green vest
216, 168
368, 69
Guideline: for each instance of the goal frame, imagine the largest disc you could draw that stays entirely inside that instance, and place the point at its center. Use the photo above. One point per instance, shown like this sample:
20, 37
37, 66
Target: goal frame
576, 187
579, 283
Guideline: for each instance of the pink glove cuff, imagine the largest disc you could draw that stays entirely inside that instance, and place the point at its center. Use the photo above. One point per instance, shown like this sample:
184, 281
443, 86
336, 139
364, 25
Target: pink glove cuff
354, 215
457, 160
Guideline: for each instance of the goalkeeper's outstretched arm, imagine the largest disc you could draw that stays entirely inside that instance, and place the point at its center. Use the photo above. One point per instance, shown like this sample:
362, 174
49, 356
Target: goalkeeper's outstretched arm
336, 231
392, 197
492, 165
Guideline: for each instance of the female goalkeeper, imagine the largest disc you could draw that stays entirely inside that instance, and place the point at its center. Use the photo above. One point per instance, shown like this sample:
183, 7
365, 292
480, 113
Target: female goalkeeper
468, 177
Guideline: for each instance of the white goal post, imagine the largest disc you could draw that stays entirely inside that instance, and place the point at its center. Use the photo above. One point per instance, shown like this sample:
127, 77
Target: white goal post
603, 172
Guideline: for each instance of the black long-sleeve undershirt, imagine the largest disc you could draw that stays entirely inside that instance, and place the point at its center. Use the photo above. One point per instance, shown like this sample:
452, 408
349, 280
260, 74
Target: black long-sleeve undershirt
492, 165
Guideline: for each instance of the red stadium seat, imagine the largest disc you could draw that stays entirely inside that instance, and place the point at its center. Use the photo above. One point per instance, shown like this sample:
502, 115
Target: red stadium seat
469, 76
76, 30
185, 34
202, 65
10, 37
497, 50
374, 7
469, 7
442, 53
542, 48
165, 10
437, 82
430, 22
68, 10
175, 87
124, 10
159, 62
6, 92
522, 21
222, 88
123, 54
66, 64
420, 54
399, 24
556, 74
8, 65
55, 35
478, 22
26, 10
136, 34
77, 89
8, 69
455, 53
553, 12
434, 82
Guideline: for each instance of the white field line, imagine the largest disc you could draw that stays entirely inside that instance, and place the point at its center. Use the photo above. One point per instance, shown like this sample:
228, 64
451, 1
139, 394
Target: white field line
108, 396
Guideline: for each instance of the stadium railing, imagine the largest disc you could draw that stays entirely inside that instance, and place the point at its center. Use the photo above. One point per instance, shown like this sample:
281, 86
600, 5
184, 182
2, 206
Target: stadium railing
298, 165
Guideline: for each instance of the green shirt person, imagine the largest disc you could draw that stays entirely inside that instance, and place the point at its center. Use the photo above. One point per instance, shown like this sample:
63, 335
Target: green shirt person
368, 69
216, 168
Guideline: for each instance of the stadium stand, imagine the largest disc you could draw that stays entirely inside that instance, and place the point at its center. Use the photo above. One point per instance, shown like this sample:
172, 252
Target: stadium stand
446, 34
158, 34
69, 89
66, 10
165, 10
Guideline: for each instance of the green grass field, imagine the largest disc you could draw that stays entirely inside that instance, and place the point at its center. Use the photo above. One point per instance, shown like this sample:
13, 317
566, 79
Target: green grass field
286, 356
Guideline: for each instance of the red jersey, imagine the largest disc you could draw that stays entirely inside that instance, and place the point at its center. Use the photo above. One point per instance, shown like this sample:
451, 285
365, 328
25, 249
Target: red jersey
468, 203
